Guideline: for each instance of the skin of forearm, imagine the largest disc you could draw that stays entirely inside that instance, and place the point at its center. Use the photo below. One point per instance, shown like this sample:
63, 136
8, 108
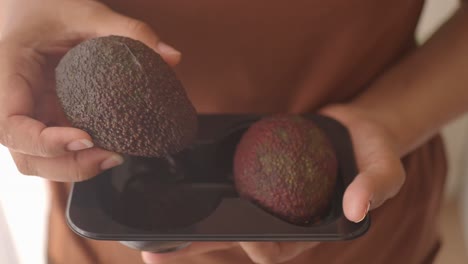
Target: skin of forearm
426, 89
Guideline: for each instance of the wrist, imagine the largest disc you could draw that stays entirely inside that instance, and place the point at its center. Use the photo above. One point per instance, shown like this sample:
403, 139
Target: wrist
358, 118
408, 118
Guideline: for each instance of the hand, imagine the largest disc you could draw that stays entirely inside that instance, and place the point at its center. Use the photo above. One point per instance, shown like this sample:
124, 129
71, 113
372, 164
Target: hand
253, 252
380, 177
378, 156
33, 37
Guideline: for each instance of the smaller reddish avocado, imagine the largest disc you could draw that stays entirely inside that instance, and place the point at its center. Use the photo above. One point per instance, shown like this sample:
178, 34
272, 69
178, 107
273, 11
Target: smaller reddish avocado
286, 165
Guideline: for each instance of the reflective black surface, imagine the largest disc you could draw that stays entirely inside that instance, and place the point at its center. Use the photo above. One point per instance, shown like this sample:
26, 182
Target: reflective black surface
190, 196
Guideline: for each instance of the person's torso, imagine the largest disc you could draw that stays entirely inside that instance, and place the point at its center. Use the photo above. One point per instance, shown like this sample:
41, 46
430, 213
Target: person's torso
274, 56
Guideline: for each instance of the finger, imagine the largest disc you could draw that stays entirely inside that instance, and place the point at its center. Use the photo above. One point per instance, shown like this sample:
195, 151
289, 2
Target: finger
275, 252
73, 167
21, 133
372, 187
28, 136
194, 249
103, 21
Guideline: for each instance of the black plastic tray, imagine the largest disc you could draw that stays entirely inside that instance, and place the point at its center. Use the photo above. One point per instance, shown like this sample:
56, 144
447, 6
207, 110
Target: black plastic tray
135, 202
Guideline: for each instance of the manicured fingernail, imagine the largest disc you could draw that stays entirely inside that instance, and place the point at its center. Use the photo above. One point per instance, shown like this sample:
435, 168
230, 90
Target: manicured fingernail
146, 257
80, 145
112, 161
365, 214
164, 48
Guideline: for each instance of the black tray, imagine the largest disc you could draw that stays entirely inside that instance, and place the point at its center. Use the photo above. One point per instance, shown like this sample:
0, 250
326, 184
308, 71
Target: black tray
133, 203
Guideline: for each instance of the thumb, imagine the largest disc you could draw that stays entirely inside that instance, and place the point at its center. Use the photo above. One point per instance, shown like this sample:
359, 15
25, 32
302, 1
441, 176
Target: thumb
100, 20
372, 187
381, 172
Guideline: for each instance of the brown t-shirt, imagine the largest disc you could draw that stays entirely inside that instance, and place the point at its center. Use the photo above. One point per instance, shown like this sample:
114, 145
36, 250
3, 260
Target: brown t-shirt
287, 56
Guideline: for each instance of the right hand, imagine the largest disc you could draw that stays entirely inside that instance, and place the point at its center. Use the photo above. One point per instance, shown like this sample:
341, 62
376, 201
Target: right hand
33, 37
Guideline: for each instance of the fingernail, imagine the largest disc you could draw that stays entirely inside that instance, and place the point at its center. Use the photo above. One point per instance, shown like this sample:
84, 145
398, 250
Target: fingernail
112, 161
365, 214
146, 257
80, 145
164, 48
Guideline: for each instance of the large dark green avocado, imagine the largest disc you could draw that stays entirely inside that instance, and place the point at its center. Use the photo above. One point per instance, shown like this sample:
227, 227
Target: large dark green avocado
126, 97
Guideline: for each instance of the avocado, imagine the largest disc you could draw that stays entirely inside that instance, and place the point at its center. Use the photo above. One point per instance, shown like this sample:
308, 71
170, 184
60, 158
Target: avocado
286, 165
126, 97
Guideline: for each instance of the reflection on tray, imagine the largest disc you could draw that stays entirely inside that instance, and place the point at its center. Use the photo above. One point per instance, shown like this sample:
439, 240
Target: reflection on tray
175, 191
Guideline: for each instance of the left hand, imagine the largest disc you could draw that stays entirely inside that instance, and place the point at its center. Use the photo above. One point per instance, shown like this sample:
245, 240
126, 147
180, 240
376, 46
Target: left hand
381, 175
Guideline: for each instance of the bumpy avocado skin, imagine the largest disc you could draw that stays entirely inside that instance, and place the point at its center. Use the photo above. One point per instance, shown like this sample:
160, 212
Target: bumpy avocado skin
126, 97
286, 165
